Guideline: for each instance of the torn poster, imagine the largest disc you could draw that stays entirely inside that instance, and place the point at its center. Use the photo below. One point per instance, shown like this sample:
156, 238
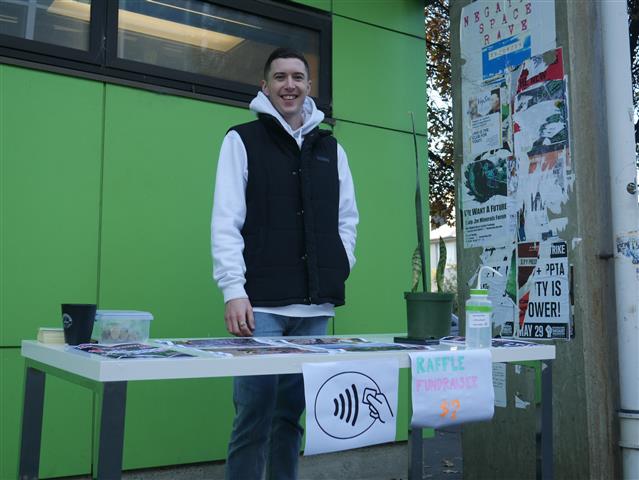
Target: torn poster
496, 35
543, 290
627, 246
502, 290
541, 149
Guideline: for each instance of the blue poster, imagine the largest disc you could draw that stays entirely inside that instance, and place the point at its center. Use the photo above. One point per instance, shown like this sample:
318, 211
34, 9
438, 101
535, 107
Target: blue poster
508, 52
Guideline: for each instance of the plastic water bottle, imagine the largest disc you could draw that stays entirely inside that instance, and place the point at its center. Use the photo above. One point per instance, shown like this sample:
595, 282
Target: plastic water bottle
479, 315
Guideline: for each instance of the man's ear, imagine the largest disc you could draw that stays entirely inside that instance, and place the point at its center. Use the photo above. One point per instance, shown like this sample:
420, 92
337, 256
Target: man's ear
264, 87
308, 89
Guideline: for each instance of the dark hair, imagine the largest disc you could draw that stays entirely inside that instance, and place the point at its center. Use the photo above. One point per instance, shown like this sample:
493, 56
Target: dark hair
285, 52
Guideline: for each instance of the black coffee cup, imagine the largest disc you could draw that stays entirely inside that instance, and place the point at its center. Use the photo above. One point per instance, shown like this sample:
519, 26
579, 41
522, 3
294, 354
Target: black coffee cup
77, 320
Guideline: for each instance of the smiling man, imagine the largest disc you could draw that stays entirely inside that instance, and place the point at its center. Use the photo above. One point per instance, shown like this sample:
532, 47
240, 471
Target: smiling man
283, 239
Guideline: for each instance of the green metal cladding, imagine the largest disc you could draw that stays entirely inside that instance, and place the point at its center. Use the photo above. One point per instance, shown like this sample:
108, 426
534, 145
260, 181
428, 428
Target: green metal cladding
105, 196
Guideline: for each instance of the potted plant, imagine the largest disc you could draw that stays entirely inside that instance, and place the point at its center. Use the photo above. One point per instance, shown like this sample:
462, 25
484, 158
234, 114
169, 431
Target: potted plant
428, 313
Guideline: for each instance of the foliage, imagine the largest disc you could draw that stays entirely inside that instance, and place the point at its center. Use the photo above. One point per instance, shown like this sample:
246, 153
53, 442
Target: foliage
633, 26
441, 266
440, 116
417, 269
441, 279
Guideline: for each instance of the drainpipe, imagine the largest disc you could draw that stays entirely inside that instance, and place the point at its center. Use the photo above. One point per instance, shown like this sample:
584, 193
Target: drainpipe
625, 220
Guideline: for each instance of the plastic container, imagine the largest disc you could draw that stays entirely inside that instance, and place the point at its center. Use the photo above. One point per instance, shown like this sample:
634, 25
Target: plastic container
479, 315
120, 326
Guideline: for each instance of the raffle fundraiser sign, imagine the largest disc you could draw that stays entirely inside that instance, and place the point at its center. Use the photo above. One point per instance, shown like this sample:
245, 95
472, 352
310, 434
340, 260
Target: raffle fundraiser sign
451, 387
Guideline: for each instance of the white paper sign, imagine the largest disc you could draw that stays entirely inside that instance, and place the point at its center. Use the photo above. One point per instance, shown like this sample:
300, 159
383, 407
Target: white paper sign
452, 387
496, 35
499, 384
350, 404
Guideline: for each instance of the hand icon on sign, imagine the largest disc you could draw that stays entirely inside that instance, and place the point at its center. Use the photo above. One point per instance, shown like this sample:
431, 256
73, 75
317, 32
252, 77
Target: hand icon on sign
378, 406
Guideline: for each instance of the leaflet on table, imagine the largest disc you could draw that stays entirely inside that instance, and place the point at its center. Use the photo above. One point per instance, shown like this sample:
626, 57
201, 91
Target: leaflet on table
371, 347
272, 346
235, 346
496, 342
122, 351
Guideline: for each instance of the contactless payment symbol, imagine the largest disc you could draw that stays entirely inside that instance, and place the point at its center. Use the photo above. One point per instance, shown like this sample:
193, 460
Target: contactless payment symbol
348, 404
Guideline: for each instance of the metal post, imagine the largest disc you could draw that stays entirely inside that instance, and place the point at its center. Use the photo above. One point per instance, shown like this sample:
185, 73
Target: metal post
111, 433
544, 425
415, 454
33, 406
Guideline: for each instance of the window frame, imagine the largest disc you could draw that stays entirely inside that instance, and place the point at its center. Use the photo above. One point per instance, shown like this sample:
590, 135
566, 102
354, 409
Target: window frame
101, 61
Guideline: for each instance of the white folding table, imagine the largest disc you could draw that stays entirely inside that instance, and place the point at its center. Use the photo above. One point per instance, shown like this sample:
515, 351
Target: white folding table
108, 378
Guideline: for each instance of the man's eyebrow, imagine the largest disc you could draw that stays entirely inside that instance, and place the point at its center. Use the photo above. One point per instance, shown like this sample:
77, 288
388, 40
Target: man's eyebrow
292, 73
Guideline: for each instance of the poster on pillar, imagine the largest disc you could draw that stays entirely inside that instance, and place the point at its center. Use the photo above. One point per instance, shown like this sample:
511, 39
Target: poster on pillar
486, 207
543, 293
502, 288
496, 35
542, 153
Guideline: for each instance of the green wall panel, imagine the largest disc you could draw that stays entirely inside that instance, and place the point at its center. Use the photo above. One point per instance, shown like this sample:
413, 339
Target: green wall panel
177, 421
159, 176
402, 15
50, 154
321, 4
383, 166
66, 430
378, 76
159, 173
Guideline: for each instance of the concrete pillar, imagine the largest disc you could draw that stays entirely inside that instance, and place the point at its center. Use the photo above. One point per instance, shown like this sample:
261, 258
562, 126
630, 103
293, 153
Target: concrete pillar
585, 378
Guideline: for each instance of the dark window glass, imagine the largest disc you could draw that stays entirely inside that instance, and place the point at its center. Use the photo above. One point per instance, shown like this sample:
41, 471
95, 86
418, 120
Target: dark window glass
198, 37
209, 48
58, 22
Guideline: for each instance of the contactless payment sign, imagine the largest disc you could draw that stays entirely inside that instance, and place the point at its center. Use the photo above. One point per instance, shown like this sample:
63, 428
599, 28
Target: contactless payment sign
349, 404
451, 387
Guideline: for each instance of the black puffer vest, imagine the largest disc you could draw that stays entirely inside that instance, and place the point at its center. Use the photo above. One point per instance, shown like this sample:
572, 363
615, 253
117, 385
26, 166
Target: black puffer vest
292, 248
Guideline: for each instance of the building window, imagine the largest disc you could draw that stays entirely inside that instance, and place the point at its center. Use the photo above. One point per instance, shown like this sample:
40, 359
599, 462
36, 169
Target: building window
53, 22
215, 48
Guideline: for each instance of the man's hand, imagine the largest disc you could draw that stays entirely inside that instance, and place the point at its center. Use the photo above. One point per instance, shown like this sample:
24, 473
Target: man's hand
238, 316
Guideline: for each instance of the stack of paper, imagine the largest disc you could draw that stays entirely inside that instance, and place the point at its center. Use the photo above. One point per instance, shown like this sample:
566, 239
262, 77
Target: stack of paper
51, 335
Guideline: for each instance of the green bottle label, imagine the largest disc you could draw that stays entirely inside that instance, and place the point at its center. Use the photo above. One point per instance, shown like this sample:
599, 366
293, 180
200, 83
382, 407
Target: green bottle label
479, 308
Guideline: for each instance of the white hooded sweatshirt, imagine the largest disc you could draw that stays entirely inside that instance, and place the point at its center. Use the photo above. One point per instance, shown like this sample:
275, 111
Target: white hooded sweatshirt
229, 209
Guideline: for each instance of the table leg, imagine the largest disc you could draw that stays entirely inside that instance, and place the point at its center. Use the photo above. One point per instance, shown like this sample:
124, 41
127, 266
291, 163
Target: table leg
544, 425
415, 454
33, 407
111, 430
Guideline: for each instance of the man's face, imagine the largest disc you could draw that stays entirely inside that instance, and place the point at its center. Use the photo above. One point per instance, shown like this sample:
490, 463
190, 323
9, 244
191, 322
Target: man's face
286, 87
494, 102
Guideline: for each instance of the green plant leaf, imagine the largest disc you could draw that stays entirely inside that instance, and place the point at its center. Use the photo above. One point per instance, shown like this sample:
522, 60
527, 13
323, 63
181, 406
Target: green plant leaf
417, 269
441, 265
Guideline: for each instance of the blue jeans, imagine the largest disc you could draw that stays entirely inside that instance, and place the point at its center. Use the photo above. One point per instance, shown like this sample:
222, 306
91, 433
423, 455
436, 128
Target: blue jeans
266, 430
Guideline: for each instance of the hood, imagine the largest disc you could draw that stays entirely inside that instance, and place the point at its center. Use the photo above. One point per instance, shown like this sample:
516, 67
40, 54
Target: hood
312, 116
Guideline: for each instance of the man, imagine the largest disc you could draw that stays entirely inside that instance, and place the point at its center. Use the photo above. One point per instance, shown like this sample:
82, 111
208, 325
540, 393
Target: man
283, 238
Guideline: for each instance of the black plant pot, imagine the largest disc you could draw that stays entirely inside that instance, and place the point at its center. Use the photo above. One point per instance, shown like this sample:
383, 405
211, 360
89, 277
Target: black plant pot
428, 315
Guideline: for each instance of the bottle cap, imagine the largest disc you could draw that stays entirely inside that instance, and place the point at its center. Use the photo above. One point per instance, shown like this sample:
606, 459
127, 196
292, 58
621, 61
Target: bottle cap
478, 291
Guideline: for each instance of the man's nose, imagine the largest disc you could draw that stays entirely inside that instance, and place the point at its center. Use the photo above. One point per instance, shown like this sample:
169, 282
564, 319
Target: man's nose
289, 82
